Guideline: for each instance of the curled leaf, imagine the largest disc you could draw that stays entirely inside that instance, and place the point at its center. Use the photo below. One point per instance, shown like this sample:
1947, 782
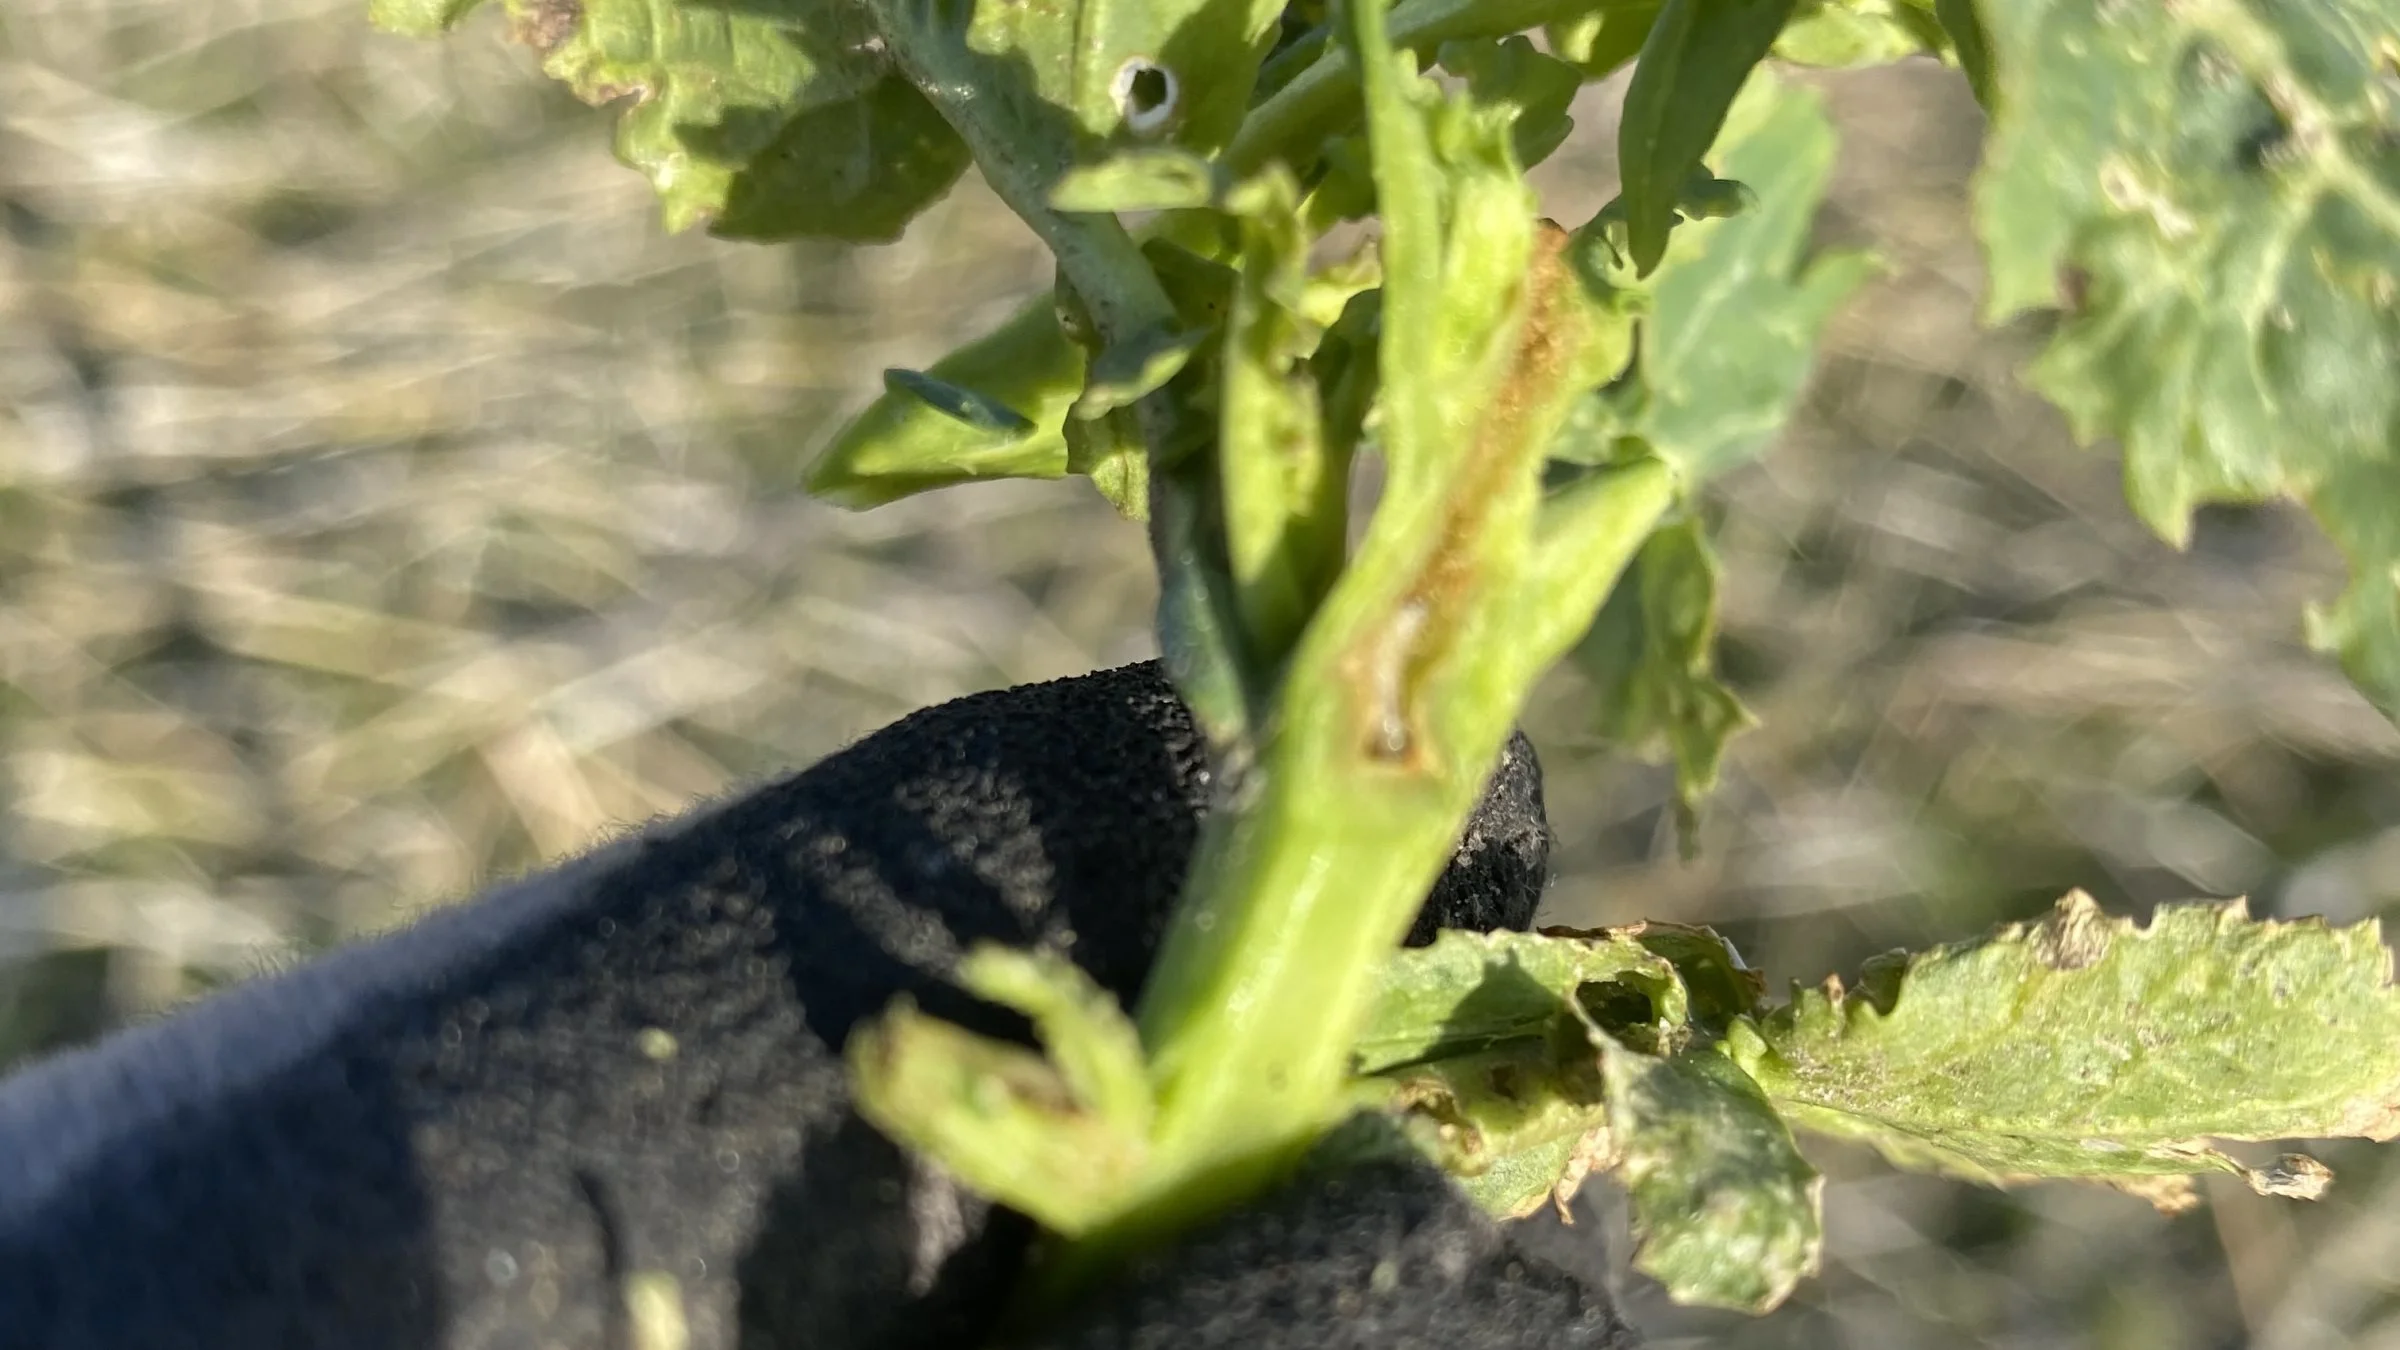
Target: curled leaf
1726, 1212
1059, 1137
1720, 985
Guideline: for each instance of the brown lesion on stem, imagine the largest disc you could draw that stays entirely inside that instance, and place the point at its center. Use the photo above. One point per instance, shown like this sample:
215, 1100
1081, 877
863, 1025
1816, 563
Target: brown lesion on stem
1390, 664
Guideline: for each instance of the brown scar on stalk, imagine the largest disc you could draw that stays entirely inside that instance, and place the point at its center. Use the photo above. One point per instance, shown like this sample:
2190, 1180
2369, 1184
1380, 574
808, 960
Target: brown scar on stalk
1389, 663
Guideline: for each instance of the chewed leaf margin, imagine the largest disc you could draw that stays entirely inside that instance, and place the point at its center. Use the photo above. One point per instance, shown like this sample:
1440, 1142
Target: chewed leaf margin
2087, 1047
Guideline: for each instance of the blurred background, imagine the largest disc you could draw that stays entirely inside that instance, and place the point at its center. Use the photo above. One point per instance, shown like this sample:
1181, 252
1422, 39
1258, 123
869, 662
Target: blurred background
387, 506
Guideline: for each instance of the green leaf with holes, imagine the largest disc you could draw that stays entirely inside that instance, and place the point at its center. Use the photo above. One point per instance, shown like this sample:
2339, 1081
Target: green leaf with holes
2092, 1048
2210, 193
1471, 992
1482, 1046
1073, 79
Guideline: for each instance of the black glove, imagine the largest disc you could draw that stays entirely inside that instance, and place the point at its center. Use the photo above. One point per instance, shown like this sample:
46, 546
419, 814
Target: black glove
472, 1133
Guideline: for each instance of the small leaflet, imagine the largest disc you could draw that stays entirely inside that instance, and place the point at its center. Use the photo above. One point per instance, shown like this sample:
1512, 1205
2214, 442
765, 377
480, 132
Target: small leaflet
1060, 1136
1651, 658
1694, 61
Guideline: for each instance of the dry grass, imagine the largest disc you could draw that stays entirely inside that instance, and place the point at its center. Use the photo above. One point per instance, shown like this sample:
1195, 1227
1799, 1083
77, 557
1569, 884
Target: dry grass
386, 505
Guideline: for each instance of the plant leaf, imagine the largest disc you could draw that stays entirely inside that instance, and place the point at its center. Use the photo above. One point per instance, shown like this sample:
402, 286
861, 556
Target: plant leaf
418, 18
1729, 341
1127, 372
1650, 656
776, 120
1469, 992
1725, 1210
1515, 1184
1109, 450
2215, 189
1517, 1127
1510, 72
1734, 315
1059, 1137
1969, 44
958, 403
1156, 179
1845, 34
859, 169
1694, 61
903, 444
1599, 41
1285, 490
1719, 984
1081, 75
2091, 1048
1086, 1034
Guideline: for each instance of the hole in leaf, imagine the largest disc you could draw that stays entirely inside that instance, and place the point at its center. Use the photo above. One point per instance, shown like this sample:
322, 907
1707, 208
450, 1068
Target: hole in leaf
1622, 1011
1147, 95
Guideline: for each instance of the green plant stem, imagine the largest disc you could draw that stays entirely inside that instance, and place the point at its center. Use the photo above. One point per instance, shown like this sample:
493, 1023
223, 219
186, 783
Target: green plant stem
1103, 262
1262, 983
1309, 870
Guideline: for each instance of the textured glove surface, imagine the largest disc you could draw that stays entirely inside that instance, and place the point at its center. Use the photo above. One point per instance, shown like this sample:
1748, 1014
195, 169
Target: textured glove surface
470, 1133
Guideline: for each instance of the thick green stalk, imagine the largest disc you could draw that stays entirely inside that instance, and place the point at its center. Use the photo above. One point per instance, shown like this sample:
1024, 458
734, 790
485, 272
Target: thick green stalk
1359, 757
1262, 983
